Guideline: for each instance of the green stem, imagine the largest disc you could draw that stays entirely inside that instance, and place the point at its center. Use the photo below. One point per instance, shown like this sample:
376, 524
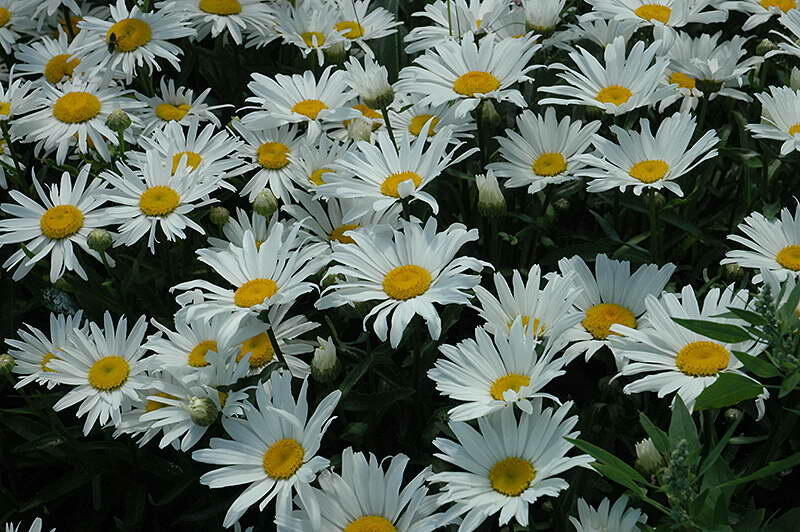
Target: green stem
385, 113
68, 23
7, 138
121, 138
654, 247
264, 316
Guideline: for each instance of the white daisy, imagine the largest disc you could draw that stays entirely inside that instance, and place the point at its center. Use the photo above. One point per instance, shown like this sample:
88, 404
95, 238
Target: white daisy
760, 11
641, 160
606, 517
34, 349
675, 358
665, 13
507, 464
269, 154
237, 226
357, 23
780, 118
452, 20
406, 271
273, 450
410, 118
50, 7
773, 244
308, 26
467, 73
603, 32
153, 197
359, 128
370, 81
314, 160
544, 152
68, 212
237, 18
489, 373
791, 21
52, 59
13, 13
624, 83
176, 105
543, 16
612, 295
105, 369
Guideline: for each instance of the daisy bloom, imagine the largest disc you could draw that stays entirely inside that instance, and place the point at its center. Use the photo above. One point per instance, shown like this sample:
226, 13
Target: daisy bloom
105, 368
51, 6
642, 160
452, 20
74, 113
406, 271
488, 373
760, 11
68, 212
773, 244
411, 118
507, 464
612, 295
36, 526
624, 83
603, 32
357, 23
542, 16
791, 21
268, 153
234, 18
618, 517
665, 13
308, 27
53, 60
312, 161
467, 73
13, 13
153, 197
299, 99
381, 175
544, 152
674, 358
133, 39
238, 225
176, 105
17, 97
273, 450
370, 81
780, 118
35, 349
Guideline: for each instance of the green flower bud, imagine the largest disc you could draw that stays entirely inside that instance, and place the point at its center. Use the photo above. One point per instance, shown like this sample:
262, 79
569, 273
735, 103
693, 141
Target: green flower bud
648, 459
99, 240
491, 201
765, 46
265, 203
325, 365
118, 121
203, 411
219, 215
7, 363
489, 117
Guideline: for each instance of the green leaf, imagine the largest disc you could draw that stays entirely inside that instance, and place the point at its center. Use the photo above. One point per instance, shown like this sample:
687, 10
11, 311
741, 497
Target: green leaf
789, 384
786, 523
681, 426
605, 457
617, 476
749, 316
355, 375
729, 389
659, 437
715, 453
758, 366
723, 332
766, 471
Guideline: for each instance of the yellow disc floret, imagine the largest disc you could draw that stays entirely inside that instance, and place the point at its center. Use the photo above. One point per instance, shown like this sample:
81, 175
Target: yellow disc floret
129, 34
350, 29
193, 160
197, 356
151, 404
76, 107
370, 523
254, 292
220, 7
654, 12
511, 476
512, 381
418, 122
600, 318
61, 221
316, 175
475, 82
390, 184
789, 257
649, 171
313, 39
338, 234
46, 358
406, 282
159, 201
783, 5
682, 80
260, 349
309, 108
549, 164
172, 113
616, 94
109, 373
702, 359
59, 67
273, 155
5, 16
283, 458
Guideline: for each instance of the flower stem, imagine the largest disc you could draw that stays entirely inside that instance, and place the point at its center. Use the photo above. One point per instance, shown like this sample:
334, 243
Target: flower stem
264, 316
654, 229
385, 113
68, 23
17, 166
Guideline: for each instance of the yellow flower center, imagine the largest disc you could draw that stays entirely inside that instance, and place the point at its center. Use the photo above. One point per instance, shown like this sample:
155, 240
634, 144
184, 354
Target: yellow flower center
313, 39
549, 164
309, 108
537, 329
260, 349
512, 381
159, 201
5, 16
600, 318
172, 113
273, 155
73, 21
338, 233
283, 458
109, 373
76, 107
61, 221
795, 129
220, 7
193, 160
406, 282
129, 34
475, 82
370, 523
47, 357
59, 67
649, 171
682, 80
783, 5
197, 356
654, 12
789, 257
223, 398
419, 121
390, 184
511, 476
616, 94
366, 112
351, 29
702, 359
254, 292
151, 405
5, 108
316, 176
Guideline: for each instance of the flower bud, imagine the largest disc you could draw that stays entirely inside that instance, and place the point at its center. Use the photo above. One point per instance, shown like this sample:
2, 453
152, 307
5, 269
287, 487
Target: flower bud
561, 205
6, 364
489, 117
648, 459
118, 121
732, 272
99, 240
794, 78
359, 129
325, 365
491, 201
203, 411
265, 203
219, 215
335, 54
733, 414
765, 46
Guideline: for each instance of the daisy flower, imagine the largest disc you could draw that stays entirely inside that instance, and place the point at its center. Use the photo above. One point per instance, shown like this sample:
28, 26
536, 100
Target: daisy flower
507, 464
237, 226
359, 128
234, 18
13, 13
35, 349
61, 222
674, 358
618, 517
452, 20
133, 39
544, 152
370, 81
74, 113
603, 32
175, 105
466, 73
382, 175
411, 118
308, 27
153, 197
488, 373
664, 13
50, 7
105, 368
268, 153
313, 160
53, 60
612, 295
406, 271
760, 11
773, 244
780, 118
273, 450
36, 526
357, 23
642, 160
791, 21
542, 16
386, 506
299, 99
624, 83
270, 274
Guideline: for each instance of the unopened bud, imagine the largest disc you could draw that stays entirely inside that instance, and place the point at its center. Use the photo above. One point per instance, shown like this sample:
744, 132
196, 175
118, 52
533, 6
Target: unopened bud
561, 205
384, 99
118, 121
335, 54
6, 364
659, 199
491, 201
732, 272
265, 203
219, 215
99, 240
765, 46
325, 365
794, 78
733, 414
648, 459
203, 411
490, 119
